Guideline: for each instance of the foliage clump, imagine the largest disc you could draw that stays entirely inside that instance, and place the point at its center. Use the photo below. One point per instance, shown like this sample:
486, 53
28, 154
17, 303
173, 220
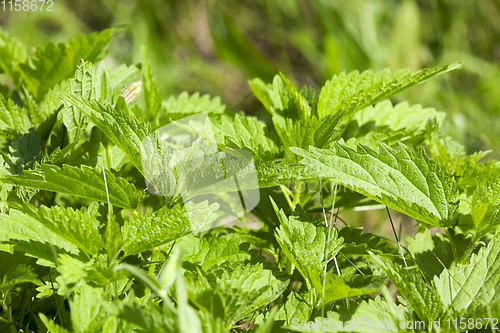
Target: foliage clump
86, 248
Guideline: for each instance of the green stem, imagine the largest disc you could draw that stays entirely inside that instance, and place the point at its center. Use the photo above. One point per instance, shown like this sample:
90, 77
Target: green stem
8, 312
453, 247
469, 250
286, 192
396, 236
296, 197
109, 156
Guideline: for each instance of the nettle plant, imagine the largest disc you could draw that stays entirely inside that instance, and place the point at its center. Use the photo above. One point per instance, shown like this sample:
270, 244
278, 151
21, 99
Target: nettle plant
85, 247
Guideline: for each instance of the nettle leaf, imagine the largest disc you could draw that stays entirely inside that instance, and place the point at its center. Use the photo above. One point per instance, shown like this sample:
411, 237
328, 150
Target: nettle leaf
477, 282
308, 246
236, 292
336, 288
250, 280
24, 152
155, 228
466, 169
85, 306
425, 247
401, 179
12, 52
14, 120
152, 96
283, 100
486, 207
358, 242
482, 316
362, 317
270, 95
249, 133
24, 233
273, 173
296, 306
90, 84
185, 105
424, 300
84, 182
52, 64
391, 124
121, 76
343, 95
216, 250
51, 103
51, 325
399, 116
17, 274
297, 100
307, 132
122, 128
79, 227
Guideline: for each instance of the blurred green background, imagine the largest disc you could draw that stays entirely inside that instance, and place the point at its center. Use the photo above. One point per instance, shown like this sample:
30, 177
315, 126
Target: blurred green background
216, 46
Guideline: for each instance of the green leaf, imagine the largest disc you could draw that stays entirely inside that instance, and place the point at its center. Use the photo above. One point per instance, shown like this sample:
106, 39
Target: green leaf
122, 76
359, 317
216, 250
466, 169
306, 132
297, 100
152, 229
398, 179
91, 85
85, 306
24, 152
152, 96
51, 103
17, 274
308, 246
391, 124
296, 306
358, 242
187, 317
399, 116
237, 291
122, 128
12, 52
343, 95
84, 182
273, 173
462, 285
14, 120
424, 300
283, 100
271, 96
19, 228
51, 325
486, 207
79, 227
336, 289
249, 133
483, 317
52, 64
151, 281
195, 103
425, 247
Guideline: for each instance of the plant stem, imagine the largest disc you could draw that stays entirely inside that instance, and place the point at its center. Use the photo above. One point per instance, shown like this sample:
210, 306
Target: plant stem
286, 192
396, 236
469, 250
453, 247
296, 197
109, 156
